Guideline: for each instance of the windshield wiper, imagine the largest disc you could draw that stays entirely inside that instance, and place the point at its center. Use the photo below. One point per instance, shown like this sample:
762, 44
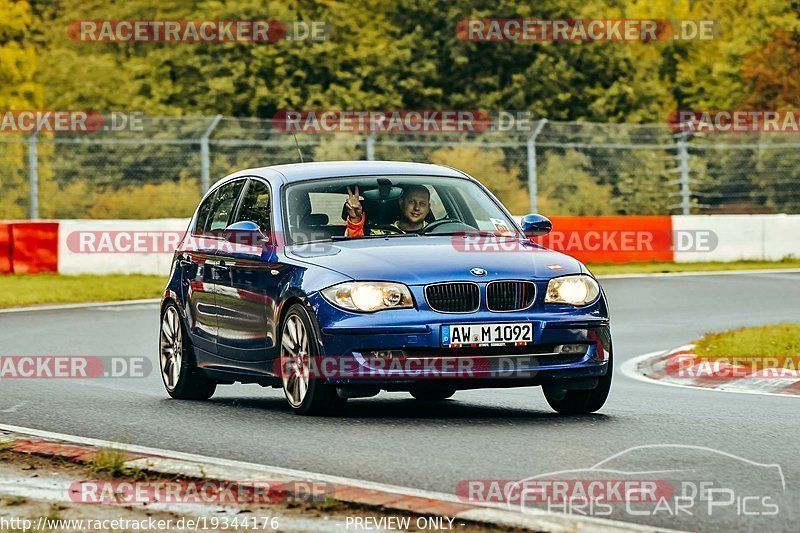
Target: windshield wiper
476, 234
386, 236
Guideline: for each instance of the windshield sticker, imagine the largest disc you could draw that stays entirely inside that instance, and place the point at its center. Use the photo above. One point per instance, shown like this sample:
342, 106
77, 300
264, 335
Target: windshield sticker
501, 226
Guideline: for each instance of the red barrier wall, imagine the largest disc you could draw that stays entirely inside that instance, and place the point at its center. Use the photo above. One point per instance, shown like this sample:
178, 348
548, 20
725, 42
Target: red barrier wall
5, 248
622, 239
34, 247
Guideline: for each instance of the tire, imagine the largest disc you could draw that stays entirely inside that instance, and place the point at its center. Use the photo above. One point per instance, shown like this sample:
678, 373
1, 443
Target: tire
305, 394
579, 402
433, 395
179, 374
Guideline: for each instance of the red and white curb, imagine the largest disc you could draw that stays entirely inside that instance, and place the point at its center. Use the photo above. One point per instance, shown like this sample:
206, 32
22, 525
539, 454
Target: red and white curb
363, 493
680, 368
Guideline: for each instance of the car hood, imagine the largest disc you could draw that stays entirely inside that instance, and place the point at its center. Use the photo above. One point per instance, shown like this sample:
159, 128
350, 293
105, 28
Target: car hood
425, 259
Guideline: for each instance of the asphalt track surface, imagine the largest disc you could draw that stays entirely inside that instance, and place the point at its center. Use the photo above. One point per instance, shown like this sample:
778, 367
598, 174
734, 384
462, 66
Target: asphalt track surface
489, 434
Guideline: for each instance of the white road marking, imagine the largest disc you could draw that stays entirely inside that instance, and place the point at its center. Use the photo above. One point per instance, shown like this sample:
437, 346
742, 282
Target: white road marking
537, 519
60, 307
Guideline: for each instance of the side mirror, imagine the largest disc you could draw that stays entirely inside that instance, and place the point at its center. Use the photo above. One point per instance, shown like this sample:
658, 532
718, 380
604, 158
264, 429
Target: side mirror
534, 225
245, 232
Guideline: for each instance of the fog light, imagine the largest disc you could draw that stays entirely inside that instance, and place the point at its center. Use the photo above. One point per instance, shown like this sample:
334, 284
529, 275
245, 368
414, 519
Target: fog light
571, 349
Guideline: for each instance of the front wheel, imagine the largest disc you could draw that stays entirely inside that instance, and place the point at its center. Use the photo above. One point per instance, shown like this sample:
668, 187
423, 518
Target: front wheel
181, 378
579, 402
304, 389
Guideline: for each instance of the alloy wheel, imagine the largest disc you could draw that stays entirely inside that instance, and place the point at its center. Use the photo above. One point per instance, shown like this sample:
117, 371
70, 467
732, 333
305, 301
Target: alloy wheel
171, 338
295, 360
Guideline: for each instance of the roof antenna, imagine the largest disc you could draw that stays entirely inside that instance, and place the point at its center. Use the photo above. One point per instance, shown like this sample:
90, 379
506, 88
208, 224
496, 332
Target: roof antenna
298, 148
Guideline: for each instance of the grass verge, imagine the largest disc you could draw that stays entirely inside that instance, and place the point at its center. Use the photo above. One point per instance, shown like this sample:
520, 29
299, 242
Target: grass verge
762, 346
600, 269
22, 290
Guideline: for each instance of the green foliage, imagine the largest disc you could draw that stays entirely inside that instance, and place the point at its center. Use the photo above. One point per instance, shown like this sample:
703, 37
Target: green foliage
397, 55
18, 90
109, 460
778, 341
406, 54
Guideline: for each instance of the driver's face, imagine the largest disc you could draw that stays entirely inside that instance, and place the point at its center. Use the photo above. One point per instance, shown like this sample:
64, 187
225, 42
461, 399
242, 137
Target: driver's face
415, 206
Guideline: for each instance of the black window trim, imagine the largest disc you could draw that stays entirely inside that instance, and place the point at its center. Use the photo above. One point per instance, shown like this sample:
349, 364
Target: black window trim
287, 186
213, 193
207, 198
243, 193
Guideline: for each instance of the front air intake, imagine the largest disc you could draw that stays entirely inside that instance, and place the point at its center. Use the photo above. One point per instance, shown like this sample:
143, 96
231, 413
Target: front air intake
510, 295
454, 297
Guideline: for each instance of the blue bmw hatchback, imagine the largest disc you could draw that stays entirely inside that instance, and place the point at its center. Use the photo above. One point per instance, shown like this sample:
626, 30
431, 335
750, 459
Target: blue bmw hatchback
340, 280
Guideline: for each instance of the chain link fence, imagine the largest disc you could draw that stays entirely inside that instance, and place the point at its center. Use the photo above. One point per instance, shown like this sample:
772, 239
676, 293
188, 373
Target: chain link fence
555, 168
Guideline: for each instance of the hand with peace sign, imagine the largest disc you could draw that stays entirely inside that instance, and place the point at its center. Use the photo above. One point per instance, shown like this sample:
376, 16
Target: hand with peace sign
353, 205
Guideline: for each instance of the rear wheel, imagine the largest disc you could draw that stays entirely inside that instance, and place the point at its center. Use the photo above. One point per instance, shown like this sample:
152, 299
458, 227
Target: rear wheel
579, 402
178, 372
305, 391
432, 395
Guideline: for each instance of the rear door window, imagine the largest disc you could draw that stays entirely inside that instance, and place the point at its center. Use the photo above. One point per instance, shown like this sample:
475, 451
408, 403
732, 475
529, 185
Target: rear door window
222, 207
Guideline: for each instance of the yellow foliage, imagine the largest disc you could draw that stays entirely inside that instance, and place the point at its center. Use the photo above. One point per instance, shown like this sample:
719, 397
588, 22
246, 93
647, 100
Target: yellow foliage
488, 166
566, 187
80, 199
170, 199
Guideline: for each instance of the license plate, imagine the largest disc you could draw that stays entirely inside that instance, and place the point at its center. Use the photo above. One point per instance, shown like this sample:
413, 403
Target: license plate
517, 333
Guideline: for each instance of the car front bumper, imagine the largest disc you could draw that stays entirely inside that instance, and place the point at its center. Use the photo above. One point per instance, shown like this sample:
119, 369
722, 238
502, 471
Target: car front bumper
398, 349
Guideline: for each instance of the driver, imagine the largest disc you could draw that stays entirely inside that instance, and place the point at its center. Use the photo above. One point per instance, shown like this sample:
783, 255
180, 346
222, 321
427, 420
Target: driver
415, 204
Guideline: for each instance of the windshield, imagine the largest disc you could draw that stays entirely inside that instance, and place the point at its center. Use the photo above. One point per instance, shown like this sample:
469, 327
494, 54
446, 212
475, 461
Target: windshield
391, 206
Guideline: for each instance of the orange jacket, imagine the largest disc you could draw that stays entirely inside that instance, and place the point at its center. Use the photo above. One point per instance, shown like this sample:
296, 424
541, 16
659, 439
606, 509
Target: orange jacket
355, 229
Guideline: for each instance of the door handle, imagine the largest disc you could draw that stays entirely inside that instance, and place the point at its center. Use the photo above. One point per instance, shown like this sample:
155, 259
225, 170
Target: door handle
222, 266
184, 262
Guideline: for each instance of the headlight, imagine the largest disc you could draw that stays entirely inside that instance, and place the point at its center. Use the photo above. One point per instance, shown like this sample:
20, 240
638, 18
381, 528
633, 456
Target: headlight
367, 296
572, 290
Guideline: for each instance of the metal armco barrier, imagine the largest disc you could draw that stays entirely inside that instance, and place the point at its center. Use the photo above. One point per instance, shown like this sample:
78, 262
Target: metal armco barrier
32, 247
